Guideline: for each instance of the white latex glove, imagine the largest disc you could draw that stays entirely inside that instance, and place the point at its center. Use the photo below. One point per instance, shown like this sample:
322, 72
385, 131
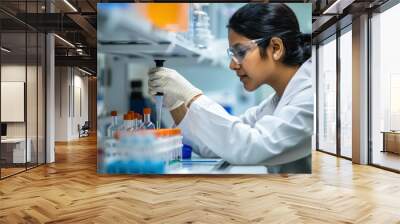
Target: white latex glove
176, 88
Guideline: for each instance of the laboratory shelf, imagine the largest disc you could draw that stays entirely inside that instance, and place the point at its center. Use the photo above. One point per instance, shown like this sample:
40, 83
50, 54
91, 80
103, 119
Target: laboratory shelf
123, 33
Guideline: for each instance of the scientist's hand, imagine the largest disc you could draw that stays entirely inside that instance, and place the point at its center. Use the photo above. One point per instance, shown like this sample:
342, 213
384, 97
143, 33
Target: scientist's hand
176, 88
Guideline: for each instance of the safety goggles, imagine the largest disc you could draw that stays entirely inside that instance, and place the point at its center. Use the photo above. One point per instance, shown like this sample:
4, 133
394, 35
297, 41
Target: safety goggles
238, 52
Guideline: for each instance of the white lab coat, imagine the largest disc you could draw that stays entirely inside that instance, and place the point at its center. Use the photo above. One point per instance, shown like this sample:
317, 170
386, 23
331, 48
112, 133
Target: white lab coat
276, 132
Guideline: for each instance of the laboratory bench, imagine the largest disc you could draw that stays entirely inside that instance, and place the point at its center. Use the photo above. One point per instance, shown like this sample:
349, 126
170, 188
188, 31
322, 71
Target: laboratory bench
198, 165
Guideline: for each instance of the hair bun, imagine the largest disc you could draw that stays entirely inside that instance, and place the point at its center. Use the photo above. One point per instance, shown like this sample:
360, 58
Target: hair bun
304, 37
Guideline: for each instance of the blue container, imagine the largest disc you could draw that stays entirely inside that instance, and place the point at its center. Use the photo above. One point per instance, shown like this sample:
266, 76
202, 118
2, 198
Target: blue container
157, 167
110, 168
121, 167
133, 167
186, 152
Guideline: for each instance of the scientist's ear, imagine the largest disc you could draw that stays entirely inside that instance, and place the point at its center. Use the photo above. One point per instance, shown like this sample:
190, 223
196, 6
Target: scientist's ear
278, 49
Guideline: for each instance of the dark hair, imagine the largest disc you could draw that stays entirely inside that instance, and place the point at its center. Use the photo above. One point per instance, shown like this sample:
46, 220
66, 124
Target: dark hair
267, 20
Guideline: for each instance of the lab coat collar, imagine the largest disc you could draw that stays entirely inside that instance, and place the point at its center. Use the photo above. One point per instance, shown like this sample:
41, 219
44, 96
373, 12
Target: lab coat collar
300, 81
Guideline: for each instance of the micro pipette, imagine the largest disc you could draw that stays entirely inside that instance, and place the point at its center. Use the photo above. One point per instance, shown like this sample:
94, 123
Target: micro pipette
159, 97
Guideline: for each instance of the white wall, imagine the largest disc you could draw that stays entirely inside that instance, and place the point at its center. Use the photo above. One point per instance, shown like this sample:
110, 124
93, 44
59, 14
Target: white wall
67, 116
12, 73
80, 83
33, 126
61, 103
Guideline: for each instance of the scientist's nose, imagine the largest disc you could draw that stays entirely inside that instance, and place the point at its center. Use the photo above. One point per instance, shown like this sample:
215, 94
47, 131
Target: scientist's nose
233, 65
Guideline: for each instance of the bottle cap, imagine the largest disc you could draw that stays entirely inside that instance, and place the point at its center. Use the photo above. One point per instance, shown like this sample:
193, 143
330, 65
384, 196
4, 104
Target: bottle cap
114, 113
117, 135
126, 116
147, 110
161, 132
176, 131
167, 132
157, 133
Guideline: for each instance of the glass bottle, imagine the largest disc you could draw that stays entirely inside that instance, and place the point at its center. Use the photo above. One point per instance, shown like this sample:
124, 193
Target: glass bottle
147, 124
114, 125
125, 125
131, 122
139, 121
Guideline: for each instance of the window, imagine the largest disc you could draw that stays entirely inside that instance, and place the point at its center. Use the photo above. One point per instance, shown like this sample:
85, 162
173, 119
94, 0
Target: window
327, 95
385, 89
22, 60
346, 92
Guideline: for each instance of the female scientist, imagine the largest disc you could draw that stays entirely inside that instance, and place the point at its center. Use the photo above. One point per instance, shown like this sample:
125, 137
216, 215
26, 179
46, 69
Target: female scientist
266, 47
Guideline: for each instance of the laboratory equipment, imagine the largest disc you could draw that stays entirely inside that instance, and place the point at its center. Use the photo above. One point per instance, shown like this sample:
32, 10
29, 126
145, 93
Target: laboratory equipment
143, 152
174, 135
140, 120
111, 130
159, 98
201, 26
134, 121
136, 125
126, 124
137, 101
147, 124
131, 122
186, 152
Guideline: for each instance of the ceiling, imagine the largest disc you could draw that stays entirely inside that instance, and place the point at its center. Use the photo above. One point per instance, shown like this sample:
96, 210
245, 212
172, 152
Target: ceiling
76, 24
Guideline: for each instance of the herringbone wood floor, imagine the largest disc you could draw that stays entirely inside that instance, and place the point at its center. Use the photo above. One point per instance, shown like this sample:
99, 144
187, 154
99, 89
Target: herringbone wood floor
70, 191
